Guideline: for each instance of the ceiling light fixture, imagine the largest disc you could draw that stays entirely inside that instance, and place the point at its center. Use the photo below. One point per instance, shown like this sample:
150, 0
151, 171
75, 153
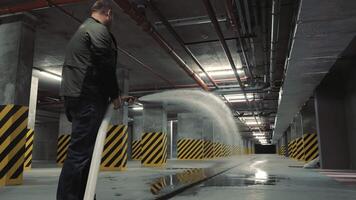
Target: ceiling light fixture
137, 108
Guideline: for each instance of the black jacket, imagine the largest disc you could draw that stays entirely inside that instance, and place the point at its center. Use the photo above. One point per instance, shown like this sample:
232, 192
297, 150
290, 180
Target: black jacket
89, 68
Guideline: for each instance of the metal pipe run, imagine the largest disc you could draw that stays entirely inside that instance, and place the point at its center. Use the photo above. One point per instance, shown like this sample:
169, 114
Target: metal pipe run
274, 38
233, 22
51, 3
212, 16
32, 5
179, 40
141, 20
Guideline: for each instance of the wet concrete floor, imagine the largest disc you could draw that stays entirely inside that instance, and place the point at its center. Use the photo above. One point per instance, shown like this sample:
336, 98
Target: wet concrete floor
269, 177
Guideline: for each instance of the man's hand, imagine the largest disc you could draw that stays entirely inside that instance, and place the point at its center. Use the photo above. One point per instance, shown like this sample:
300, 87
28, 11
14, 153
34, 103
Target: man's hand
117, 103
129, 99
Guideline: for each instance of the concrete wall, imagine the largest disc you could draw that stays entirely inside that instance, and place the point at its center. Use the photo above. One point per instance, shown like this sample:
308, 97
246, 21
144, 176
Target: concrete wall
45, 141
335, 115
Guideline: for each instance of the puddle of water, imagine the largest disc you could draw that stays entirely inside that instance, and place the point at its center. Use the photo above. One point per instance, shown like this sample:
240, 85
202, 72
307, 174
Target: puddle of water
241, 180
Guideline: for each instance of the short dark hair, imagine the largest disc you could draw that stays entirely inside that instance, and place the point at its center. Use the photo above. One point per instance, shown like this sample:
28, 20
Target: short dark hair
101, 6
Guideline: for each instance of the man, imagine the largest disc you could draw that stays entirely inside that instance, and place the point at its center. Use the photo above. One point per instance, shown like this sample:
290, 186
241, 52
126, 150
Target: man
89, 83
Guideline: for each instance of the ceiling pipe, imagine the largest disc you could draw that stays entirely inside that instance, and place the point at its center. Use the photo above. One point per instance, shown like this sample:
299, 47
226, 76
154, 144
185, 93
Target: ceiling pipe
211, 13
169, 27
33, 5
233, 22
141, 20
274, 39
51, 3
242, 25
265, 40
249, 27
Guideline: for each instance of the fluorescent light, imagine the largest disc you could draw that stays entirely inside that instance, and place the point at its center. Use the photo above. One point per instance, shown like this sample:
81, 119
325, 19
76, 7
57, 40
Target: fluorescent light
252, 123
260, 137
137, 108
222, 72
51, 75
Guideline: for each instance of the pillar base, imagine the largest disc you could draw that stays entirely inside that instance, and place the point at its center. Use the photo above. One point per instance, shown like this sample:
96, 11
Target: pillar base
154, 149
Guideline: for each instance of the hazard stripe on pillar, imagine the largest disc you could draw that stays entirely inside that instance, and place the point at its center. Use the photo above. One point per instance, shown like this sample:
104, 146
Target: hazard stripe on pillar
114, 157
290, 148
13, 129
136, 150
190, 149
294, 148
154, 149
29, 149
218, 150
62, 147
311, 150
208, 150
299, 155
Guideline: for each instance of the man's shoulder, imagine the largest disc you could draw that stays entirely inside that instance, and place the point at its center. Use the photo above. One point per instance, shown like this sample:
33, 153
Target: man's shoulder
93, 26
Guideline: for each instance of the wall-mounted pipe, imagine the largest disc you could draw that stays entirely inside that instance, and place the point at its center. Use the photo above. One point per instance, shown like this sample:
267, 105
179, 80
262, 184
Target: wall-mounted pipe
169, 27
141, 20
32, 5
274, 39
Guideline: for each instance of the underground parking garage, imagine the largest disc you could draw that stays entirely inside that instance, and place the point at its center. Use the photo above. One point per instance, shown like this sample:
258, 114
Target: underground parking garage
162, 99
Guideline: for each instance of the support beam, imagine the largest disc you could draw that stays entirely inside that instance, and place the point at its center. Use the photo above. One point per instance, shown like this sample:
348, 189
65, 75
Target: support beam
32, 5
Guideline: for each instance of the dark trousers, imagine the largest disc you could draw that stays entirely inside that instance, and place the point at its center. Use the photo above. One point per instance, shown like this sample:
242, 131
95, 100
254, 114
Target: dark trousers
86, 116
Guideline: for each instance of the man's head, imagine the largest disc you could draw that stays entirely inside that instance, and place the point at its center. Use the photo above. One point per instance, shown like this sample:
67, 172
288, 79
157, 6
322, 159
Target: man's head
102, 11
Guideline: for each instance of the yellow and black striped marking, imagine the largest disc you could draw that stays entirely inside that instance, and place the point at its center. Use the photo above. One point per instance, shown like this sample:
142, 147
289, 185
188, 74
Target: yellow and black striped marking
236, 150
136, 150
191, 175
29, 149
190, 149
154, 149
158, 185
62, 147
282, 150
13, 129
227, 150
208, 150
290, 148
114, 156
218, 149
311, 150
299, 154
294, 148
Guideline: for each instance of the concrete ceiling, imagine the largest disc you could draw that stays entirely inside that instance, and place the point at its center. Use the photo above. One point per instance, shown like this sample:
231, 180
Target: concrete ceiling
323, 31
55, 29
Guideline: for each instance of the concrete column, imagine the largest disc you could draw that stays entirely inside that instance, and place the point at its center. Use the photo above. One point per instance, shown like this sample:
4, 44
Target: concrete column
121, 149
169, 139
208, 137
334, 151
154, 138
250, 147
17, 38
174, 138
190, 138
121, 116
32, 103
136, 137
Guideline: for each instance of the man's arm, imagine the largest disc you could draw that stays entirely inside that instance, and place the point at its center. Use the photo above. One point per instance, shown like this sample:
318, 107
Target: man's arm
105, 58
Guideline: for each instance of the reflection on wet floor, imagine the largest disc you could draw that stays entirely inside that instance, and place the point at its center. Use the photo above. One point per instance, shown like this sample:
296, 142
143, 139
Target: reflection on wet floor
201, 178
172, 182
241, 180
